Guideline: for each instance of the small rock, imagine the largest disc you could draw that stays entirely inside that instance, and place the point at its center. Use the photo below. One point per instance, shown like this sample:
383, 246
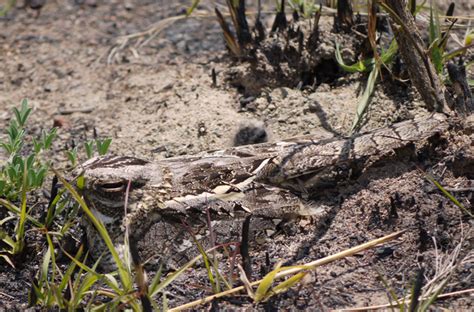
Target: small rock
128, 5
324, 87
202, 130
244, 101
61, 122
49, 88
251, 107
314, 108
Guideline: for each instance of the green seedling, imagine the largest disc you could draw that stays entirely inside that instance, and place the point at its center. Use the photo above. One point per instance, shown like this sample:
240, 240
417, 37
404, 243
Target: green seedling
306, 8
17, 243
265, 289
72, 156
12, 172
449, 196
23, 172
103, 146
367, 65
89, 147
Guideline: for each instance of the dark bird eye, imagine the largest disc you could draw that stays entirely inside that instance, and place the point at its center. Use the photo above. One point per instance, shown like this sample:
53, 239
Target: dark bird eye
116, 186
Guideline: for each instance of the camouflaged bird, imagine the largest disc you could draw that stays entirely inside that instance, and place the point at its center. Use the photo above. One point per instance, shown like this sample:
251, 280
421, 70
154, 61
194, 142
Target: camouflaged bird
271, 182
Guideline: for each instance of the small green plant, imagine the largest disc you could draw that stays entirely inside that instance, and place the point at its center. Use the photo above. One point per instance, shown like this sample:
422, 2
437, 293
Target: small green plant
371, 65
435, 50
101, 146
89, 146
72, 156
306, 8
24, 169
266, 289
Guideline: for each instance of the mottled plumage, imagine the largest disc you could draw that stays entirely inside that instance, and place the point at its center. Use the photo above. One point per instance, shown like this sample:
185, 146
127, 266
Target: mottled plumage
270, 181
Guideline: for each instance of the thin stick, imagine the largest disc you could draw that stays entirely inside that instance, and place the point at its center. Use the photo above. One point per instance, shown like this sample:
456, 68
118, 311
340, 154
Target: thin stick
388, 305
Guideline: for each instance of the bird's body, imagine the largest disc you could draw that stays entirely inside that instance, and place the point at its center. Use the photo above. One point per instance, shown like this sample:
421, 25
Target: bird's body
168, 199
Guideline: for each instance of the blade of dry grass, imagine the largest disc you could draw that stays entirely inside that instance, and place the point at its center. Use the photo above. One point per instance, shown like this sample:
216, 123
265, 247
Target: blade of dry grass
388, 305
229, 38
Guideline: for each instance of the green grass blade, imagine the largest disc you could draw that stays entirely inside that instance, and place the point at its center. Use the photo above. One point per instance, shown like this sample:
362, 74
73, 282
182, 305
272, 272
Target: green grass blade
108, 278
125, 276
365, 99
264, 286
263, 292
388, 55
53, 258
17, 211
290, 282
359, 67
70, 270
192, 7
426, 304
45, 267
153, 291
52, 210
7, 239
210, 275
88, 281
20, 231
434, 37
156, 278
449, 196
391, 293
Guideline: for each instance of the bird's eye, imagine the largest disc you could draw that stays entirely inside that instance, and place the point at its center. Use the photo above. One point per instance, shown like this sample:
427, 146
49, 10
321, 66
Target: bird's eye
112, 186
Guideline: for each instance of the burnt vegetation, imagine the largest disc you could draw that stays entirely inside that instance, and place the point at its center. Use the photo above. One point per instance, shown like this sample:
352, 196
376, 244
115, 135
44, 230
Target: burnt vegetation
300, 52
293, 52
285, 55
